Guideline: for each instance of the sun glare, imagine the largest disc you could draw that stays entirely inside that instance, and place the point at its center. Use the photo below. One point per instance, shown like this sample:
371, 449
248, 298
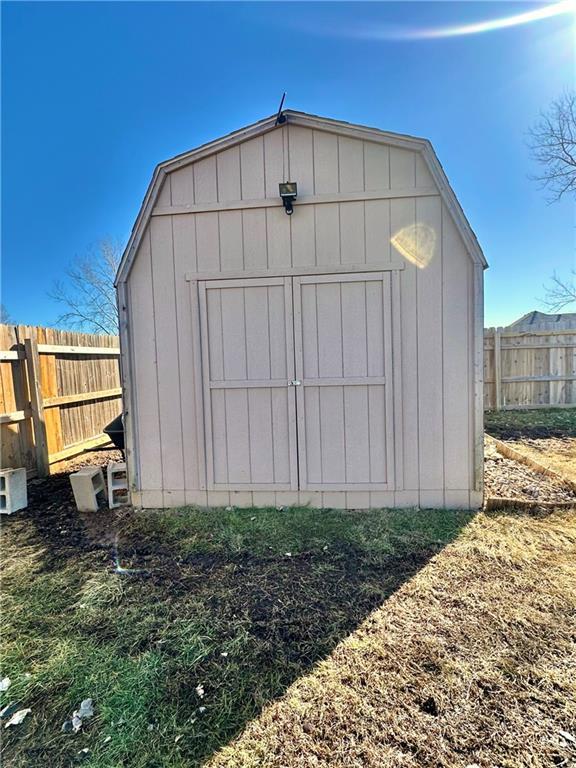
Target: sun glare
545, 12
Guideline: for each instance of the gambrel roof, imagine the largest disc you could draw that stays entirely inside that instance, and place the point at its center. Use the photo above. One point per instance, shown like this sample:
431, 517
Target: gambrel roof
423, 146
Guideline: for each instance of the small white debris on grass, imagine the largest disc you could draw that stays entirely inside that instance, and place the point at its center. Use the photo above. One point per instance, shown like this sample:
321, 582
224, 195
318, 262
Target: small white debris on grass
5, 683
229, 509
86, 709
107, 739
84, 712
253, 518
200, 691
224, 654
288, 554
18, 717
177, 739
201, 710
325, 547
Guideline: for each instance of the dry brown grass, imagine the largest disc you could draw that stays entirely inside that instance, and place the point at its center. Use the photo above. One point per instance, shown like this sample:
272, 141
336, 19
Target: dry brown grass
558, 454
471, 663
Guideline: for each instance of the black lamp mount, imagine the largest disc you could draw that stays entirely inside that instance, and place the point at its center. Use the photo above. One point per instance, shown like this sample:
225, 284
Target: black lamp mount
288, 193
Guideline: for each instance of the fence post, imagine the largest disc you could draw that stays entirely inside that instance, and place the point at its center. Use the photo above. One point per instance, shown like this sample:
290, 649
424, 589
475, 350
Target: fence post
37, 405
498, 367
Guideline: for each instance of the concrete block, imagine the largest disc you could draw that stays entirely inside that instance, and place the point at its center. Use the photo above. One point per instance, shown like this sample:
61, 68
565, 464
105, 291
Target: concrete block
87, 484
117, 484
13, 490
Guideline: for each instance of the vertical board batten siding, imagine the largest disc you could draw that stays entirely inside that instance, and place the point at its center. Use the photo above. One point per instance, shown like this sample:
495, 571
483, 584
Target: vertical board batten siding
431, 331
167, 353
402, 168
303, 237
165, 194
254, 240
145, 368
301, 159
403, 214
228, 169
278, 235
352, 233
252, 164
376, 167
319, 161
429, 312
208, 242
457, 271
325, 162
205, 180
231, 240
377, 223
275, 161
182, 185
184, 241
351, 164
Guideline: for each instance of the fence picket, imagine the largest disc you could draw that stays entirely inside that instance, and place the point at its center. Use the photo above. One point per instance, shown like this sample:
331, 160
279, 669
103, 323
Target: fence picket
65, 384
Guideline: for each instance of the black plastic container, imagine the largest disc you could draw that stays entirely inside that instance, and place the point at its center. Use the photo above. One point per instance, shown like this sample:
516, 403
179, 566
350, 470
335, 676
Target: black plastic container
115, 431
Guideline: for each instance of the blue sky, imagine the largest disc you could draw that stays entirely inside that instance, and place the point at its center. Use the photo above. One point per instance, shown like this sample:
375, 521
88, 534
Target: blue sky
95, 94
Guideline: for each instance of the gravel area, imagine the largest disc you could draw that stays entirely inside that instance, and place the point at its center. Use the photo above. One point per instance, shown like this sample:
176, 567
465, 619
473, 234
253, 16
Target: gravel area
507, 478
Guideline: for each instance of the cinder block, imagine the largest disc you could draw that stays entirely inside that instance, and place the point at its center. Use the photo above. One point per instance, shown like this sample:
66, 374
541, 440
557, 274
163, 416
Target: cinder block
117, 484
13, 490
87, 484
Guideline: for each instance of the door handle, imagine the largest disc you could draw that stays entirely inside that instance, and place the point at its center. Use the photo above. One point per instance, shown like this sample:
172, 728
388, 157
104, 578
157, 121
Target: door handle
294, 383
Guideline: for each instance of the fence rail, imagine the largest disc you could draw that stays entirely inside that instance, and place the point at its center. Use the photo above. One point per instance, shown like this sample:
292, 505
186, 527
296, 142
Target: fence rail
529, 369
58, 390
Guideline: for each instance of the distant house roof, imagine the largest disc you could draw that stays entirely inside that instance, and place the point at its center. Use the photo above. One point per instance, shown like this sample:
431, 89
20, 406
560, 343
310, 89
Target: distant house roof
535, 320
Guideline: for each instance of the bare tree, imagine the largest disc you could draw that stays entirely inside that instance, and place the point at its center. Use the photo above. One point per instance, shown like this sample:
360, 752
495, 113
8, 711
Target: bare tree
88, 292
5, 316
552, 141
560, 293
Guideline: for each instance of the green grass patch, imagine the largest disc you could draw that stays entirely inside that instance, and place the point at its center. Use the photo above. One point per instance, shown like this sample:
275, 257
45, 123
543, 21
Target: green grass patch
239, 602
531, 423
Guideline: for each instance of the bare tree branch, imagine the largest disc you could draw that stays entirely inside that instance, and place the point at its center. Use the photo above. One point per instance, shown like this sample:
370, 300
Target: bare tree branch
88, 292
552, 141
5, 316
560, 293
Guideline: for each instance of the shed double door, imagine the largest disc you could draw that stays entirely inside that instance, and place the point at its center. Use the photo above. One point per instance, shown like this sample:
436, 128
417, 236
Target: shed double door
297, 382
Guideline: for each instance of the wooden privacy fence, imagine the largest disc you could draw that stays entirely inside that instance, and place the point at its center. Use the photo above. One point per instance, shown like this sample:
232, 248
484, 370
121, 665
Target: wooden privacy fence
58, 390
533, 369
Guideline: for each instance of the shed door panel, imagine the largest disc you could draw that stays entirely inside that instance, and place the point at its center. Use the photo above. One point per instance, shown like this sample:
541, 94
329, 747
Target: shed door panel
343, 360
248, 362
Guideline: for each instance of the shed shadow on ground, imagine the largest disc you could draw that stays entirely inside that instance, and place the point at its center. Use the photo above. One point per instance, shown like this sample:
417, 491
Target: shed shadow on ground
223, 609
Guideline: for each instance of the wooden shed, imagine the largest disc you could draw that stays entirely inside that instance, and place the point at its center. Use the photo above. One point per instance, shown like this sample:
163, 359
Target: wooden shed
330, 357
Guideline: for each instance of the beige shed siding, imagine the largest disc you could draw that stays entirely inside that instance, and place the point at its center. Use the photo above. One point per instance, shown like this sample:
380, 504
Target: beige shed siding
432, 324
320, 162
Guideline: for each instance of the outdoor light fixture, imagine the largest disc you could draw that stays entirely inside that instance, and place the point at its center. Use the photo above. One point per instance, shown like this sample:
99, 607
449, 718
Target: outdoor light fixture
288, 193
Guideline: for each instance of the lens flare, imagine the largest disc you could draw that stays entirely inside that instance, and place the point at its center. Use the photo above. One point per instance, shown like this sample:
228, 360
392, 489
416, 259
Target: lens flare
546, 12
416, 243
